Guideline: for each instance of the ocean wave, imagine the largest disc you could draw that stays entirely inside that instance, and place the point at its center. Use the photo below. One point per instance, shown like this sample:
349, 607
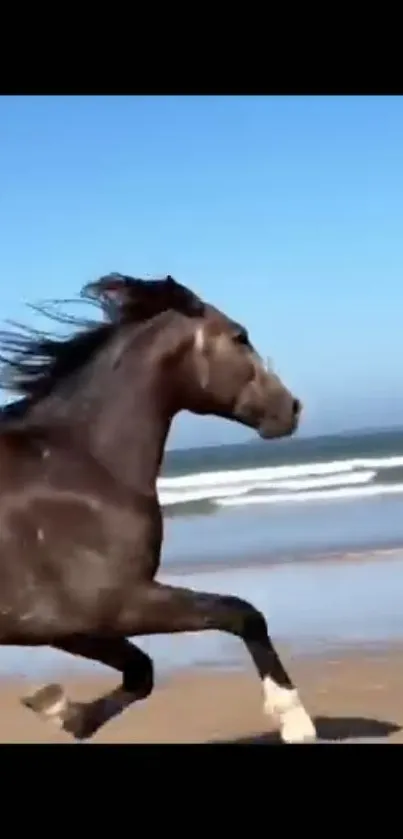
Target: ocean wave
341, 493
172, 497
334, 479
272, 472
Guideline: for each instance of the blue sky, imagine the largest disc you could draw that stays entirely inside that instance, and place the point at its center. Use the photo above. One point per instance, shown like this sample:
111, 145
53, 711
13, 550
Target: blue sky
287, 212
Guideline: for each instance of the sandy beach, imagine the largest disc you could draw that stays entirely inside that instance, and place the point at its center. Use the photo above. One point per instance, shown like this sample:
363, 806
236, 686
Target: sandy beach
355, 696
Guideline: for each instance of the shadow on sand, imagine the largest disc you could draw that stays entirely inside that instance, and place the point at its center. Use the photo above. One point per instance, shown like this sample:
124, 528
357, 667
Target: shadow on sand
330, 730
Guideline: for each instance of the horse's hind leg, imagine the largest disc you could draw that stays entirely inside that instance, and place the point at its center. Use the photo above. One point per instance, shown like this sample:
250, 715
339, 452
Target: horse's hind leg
82, 719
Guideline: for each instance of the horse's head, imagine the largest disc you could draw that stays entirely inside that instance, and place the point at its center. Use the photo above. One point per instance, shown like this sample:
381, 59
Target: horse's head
233, 381
210, 357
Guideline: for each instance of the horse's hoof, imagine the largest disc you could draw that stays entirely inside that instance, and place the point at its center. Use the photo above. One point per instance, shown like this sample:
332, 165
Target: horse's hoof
80, 719
51, 703
297, 726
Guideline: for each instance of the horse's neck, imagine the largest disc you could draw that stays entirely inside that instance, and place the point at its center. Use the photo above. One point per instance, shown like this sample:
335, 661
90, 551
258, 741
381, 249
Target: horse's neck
124, 427
130, 439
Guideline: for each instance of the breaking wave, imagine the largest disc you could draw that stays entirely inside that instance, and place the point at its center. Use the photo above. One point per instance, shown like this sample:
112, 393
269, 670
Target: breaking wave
290, 483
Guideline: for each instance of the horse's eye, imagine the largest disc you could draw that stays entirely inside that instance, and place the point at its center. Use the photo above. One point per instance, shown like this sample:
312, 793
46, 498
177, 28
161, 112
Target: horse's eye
241, 338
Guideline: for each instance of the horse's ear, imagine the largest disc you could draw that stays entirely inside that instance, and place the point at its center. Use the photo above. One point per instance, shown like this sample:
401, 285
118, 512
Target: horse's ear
123, 297
114, 292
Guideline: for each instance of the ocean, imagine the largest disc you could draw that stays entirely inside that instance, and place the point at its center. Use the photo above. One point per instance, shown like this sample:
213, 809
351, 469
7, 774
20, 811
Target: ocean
309, 530
284, 499
289, 470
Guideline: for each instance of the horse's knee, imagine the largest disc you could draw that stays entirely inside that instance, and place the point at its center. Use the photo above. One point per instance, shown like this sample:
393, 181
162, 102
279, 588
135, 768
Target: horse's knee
138, 676
247, 622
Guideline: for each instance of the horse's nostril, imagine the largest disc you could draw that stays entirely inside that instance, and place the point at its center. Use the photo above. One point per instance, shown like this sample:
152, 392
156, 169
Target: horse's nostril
296, 407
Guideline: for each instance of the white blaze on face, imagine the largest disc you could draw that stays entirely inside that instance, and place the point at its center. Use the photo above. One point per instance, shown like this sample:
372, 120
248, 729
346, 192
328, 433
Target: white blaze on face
200, 340
201, 357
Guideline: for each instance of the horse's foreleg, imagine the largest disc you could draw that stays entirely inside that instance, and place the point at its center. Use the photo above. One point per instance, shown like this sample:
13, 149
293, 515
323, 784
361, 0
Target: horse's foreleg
82, 719
164, 609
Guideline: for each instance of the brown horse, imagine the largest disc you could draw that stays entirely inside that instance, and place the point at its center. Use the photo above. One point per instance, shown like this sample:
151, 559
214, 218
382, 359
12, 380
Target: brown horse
80, 523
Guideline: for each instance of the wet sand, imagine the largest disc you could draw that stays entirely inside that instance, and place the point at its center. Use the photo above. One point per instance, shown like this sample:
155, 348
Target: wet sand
354, 695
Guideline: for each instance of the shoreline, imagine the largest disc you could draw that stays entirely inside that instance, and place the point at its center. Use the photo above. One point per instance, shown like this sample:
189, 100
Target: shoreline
264, 560
290, 534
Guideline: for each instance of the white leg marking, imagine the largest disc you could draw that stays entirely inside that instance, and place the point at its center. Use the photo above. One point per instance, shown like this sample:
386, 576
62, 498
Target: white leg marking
55, 713
286, 707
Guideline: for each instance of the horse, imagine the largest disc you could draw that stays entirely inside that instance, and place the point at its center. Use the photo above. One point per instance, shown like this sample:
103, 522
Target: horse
81, 527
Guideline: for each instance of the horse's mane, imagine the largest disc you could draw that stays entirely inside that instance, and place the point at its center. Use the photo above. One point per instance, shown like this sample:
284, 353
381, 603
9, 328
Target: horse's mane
32, 362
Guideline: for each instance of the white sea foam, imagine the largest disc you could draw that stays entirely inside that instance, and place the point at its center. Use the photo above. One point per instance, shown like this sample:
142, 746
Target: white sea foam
341, 493
275, 484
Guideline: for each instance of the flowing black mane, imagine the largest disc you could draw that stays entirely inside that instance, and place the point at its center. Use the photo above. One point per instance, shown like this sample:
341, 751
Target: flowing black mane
32, 362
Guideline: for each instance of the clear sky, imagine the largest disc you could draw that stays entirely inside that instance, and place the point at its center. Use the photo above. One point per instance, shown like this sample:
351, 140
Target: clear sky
287, 212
